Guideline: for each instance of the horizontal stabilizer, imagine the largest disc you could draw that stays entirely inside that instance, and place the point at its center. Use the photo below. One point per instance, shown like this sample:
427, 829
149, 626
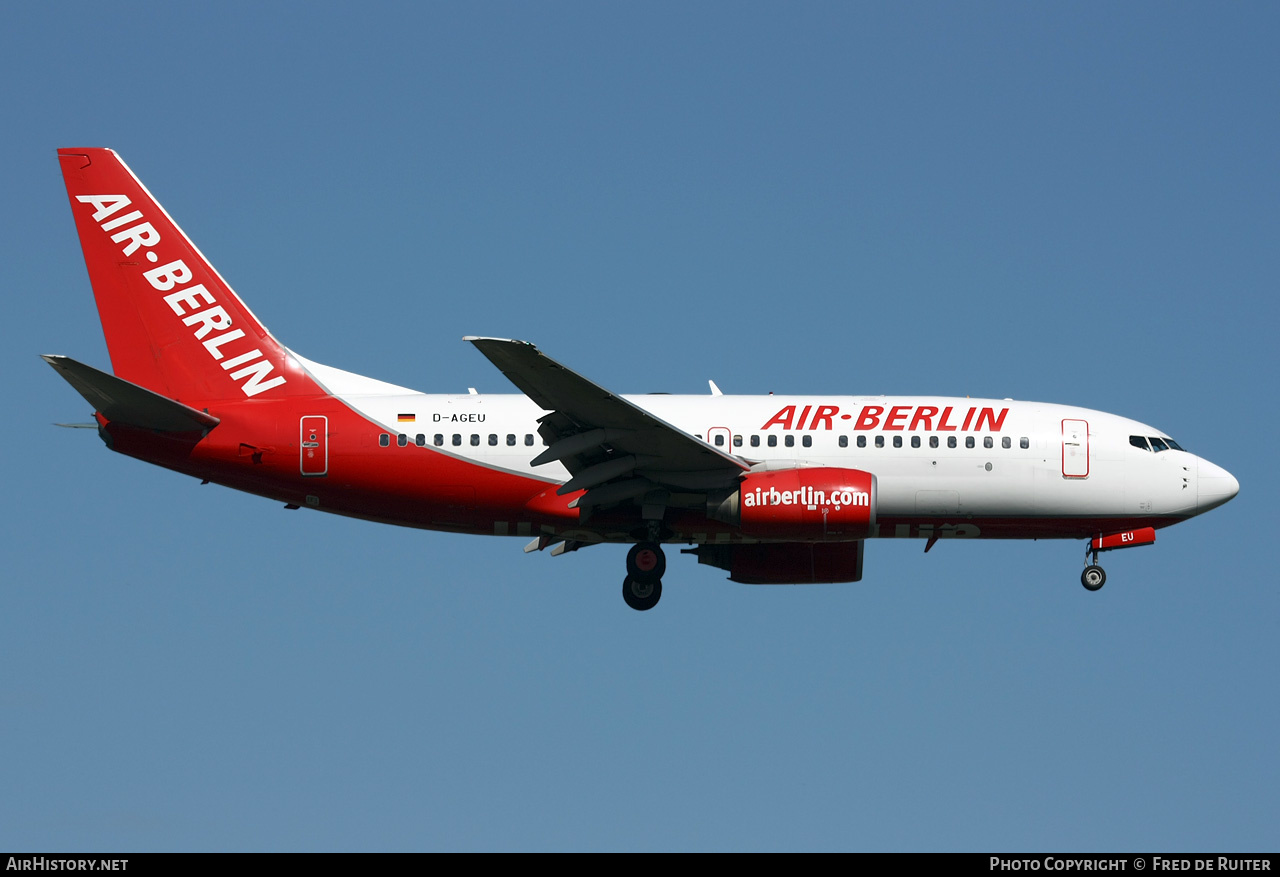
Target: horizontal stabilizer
123, 402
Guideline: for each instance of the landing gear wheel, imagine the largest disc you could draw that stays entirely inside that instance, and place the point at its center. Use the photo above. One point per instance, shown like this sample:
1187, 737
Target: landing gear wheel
641, 596
646, 562
1093, 577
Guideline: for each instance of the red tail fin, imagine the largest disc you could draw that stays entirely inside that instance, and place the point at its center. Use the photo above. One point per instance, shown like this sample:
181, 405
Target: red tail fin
172, 324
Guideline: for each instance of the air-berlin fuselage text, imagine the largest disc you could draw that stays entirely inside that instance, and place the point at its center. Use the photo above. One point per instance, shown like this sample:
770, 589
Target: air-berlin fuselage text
908, 418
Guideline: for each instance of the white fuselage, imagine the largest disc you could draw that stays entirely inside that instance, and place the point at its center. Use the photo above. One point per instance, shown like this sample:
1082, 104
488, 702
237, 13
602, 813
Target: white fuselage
1015, 462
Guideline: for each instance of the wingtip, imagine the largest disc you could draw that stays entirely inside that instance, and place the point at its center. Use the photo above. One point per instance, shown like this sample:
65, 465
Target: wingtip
477, 338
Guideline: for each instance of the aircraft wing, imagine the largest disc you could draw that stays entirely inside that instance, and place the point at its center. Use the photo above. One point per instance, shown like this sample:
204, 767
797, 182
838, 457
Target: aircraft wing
613, 449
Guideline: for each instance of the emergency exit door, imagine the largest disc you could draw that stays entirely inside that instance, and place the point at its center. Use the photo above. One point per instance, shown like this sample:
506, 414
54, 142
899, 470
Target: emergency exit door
314, 445
721, 437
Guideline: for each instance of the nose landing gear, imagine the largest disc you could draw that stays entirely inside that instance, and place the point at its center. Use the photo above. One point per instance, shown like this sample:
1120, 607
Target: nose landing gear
1093, 577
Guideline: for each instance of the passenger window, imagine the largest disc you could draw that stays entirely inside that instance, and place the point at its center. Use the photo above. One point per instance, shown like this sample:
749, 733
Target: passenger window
1158, 445
419, 439
737, 441
879, 441
475, 440
951, 441
969, 442
915, 441
933, 441
439, 440
1139, 442
844, 441
1024, 442
773, 441
719, 441
807, 441
402, 440
1006, 443
988, 442
511, 439
897, 441
790, 441
528, 439
755, 441
457, 439
862, 441
493, 439
384, 440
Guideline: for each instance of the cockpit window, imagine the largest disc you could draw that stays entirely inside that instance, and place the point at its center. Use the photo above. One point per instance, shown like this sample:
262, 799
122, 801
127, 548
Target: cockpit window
1157, 444
1173, 444
1139, 441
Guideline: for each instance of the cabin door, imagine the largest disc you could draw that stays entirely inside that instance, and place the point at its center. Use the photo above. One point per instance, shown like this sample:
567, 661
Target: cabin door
314, 445
1075, 449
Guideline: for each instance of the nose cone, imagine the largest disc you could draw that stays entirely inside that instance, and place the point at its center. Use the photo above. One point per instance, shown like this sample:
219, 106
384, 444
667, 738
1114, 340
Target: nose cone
1216, 486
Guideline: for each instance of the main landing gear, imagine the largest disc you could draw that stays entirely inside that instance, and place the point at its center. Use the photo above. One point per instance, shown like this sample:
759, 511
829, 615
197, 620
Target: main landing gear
642, 588
1093, 577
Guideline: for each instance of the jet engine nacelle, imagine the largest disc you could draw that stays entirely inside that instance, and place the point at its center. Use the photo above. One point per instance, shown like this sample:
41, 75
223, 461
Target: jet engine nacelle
805, 504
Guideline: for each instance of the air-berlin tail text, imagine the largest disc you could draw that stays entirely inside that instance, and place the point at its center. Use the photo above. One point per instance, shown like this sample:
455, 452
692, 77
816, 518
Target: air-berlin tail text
209, 321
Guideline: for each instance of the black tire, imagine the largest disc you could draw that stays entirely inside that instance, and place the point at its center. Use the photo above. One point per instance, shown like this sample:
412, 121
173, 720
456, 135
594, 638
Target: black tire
641, 596
1093, 578
646, 562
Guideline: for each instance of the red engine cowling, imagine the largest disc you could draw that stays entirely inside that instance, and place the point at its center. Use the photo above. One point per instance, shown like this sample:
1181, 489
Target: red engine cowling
787, 563
815, 503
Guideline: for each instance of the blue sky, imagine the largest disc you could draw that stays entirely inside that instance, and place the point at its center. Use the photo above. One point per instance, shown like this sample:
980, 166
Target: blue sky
1069, 203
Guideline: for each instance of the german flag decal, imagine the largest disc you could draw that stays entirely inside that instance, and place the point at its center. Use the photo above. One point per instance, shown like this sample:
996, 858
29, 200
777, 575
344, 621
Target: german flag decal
406, 418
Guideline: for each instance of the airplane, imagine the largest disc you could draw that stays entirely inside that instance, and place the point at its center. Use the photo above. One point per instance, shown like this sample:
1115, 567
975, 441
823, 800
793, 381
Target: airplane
771, 489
